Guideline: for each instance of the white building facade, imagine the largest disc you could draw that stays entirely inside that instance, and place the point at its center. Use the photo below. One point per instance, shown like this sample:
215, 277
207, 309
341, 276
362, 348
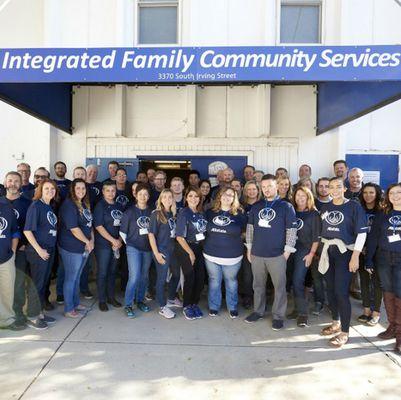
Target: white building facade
273, 126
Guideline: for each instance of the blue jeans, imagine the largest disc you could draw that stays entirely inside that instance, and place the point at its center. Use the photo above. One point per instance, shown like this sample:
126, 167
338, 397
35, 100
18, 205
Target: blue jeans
73, 266
389, 270
106, 273
138, 271
298, 281
84, 281
162, 271
216, 273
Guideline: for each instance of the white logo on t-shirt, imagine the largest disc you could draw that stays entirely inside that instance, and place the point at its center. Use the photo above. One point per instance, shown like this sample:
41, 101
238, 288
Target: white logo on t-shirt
96, 190
222, 220
122, 199
52, 218
3, 226
171, 224
143, 222
200, 225
395, 220
299, 224
88, 216
266, 215
16, 212
116, 215
334, 218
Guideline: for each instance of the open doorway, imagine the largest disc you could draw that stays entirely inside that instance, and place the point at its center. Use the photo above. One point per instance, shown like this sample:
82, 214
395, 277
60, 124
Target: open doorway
171, 167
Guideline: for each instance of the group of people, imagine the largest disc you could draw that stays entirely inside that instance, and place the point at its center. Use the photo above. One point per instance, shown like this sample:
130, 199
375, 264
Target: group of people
258, 234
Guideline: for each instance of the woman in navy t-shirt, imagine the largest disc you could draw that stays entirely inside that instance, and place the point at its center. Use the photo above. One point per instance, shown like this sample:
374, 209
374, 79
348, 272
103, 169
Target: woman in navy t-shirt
76, 242
191, 230
251, 195
384, 243
308, 231
370, 199
223, 249
107, 220
41, 232
134, 232
162, 238
343, 235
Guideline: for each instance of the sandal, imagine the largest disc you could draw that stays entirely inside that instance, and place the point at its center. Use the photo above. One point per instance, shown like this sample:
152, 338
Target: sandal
339, 340
331, 330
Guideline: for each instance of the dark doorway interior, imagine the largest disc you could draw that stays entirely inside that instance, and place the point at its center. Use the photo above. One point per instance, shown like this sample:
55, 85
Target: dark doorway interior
172, 168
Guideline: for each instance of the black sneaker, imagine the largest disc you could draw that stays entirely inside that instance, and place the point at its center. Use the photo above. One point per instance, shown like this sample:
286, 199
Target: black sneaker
48, 306
103, 307
114, 303
48, 319
277, 324
302, 321
292, 315
233, 314
87, 295
253, 318
60, 299
213, 313
14, 326
364, 318
38, 324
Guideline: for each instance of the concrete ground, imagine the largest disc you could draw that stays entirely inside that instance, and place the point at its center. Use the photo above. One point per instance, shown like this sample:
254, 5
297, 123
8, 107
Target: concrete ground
108, 356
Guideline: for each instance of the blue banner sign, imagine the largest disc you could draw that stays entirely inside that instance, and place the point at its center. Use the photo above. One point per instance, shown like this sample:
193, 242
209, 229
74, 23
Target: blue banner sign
201, 64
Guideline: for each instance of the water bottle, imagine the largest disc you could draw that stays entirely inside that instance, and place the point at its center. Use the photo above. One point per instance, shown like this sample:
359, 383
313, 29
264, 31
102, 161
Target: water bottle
116, 254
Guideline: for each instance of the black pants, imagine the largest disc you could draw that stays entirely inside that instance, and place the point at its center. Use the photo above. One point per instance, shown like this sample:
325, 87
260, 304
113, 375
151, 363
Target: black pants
245, 278
370, 287
21, 280
123, 267
40, 273
194, 275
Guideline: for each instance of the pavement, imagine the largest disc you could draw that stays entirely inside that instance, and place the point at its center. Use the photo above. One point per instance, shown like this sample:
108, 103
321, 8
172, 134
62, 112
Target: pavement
108, 356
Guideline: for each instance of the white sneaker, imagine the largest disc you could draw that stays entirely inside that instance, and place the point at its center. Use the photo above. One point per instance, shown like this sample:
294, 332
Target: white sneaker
166, 312
174, 303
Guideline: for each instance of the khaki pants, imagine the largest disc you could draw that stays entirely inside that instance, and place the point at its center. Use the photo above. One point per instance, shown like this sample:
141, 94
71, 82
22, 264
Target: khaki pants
7, 280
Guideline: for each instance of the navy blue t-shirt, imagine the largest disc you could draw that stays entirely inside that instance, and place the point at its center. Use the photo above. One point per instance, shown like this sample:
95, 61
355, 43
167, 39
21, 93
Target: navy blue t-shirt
63, 187
223, 237
270, 220
191, 225
27, 187
8, 231
2, 190
180, 205
154, 195
164, 233
308, 229
70, 218
319, 203
352, 195
109, 216
20, 207
135, 224
383, 235
124, 196
95, 193
344, 221
42, 221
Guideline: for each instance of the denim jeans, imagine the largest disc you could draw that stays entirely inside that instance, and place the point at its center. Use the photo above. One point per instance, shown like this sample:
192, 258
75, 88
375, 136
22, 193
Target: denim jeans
162, 271
84, 281
106, 273
73, 265
389, 269
138, 271
60, 277
216, 274
298, 281
40, 273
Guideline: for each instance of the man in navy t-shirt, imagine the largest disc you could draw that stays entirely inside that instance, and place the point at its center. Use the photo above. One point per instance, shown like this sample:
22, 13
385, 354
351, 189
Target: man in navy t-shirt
9, 237
270, 238
63, 184
20, 205
24, 170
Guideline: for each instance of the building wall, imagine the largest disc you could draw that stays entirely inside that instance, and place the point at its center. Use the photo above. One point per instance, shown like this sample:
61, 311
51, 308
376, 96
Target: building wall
274, 126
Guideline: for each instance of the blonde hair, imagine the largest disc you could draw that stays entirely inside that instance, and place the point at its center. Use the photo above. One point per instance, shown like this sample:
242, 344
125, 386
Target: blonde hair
310, 202
302, 183
245, 198
289, 194
160, 210
235, 205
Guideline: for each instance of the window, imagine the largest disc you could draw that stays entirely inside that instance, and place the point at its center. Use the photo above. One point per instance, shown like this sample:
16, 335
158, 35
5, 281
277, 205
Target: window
300, 21
157, 21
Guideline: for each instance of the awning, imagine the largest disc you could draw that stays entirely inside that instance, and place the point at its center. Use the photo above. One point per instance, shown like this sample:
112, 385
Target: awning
352, 80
